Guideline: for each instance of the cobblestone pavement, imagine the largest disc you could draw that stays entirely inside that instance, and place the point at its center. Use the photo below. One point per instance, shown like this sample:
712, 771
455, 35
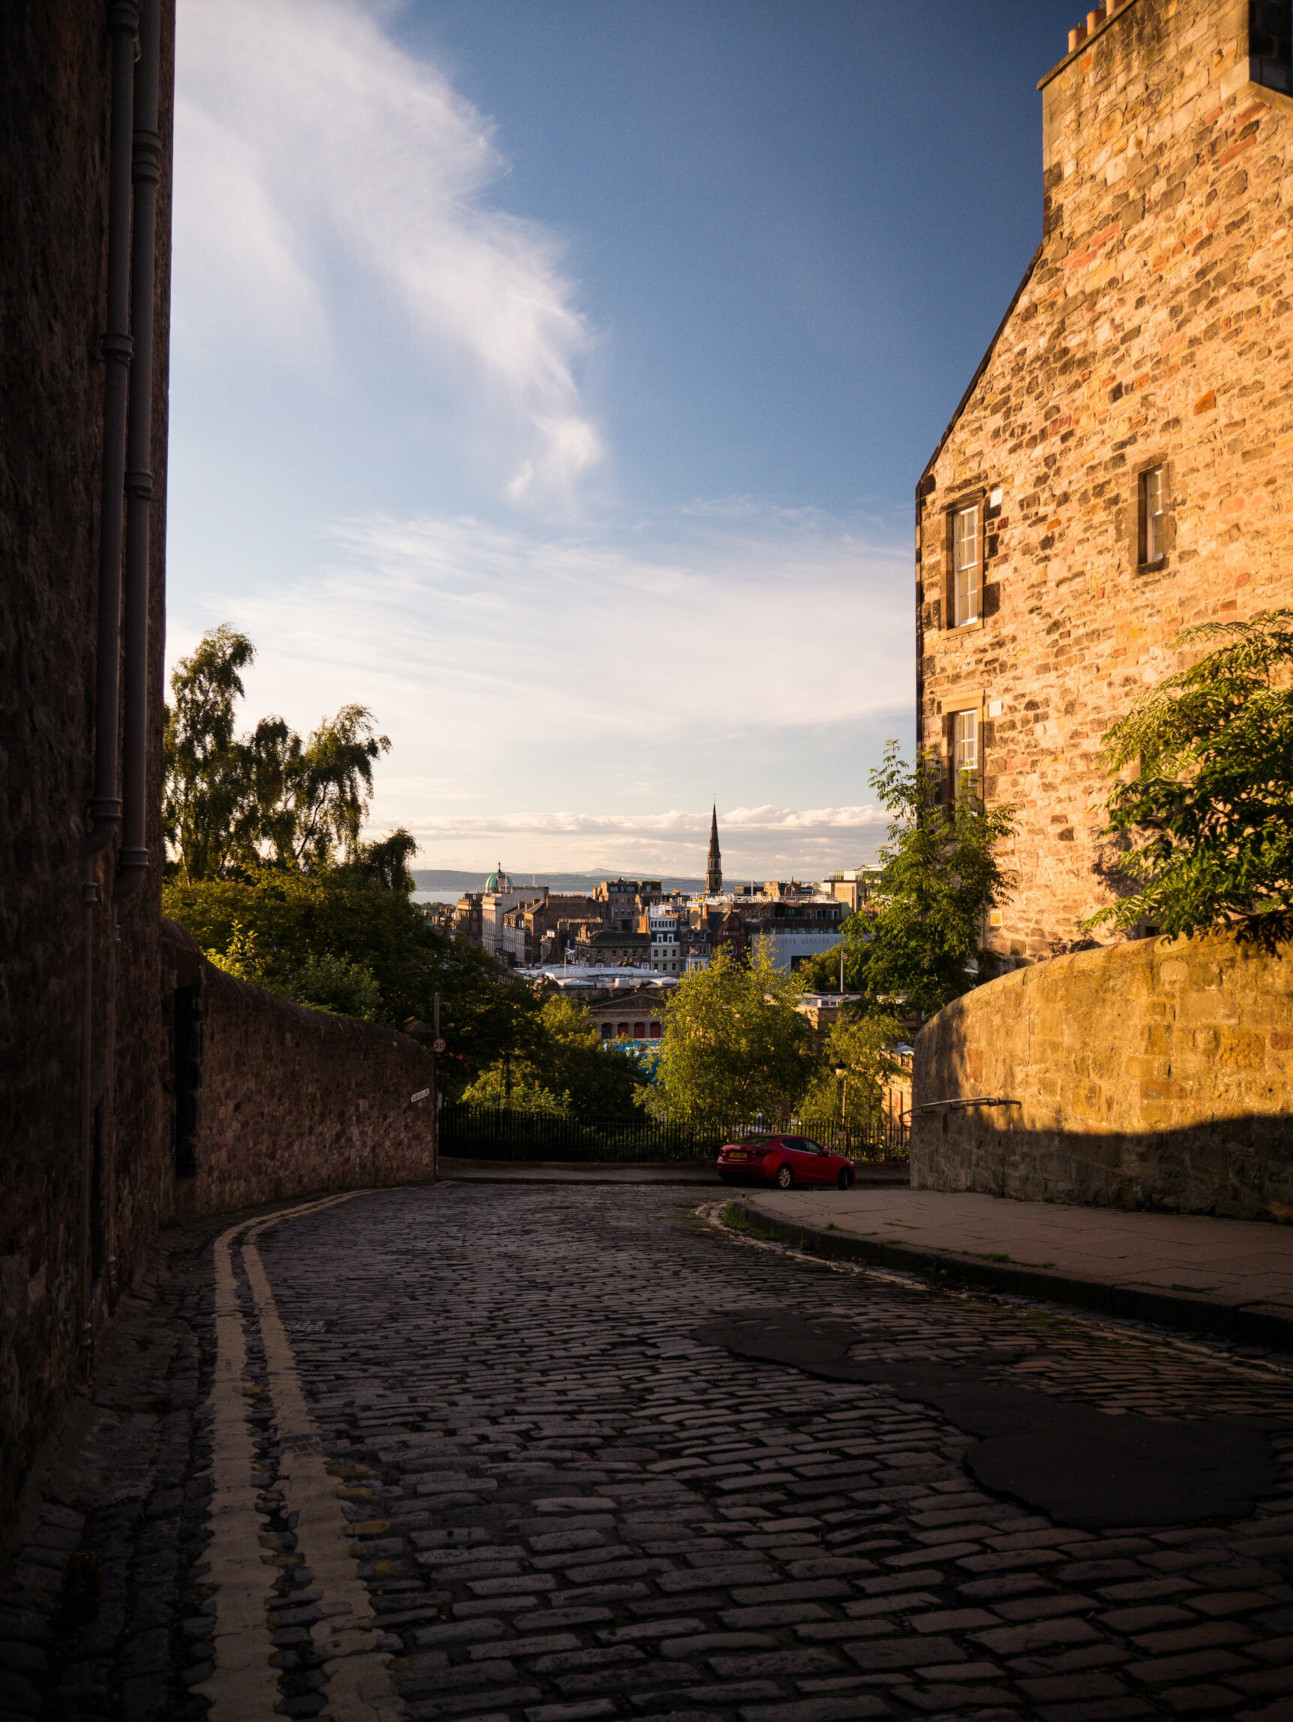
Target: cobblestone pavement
566, 1507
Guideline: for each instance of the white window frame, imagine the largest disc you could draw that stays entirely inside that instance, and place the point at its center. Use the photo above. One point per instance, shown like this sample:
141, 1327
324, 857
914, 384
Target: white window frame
1153, 505
966, 742
967, 564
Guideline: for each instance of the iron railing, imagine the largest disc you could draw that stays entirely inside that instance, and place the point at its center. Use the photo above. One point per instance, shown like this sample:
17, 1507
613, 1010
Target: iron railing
505, 1133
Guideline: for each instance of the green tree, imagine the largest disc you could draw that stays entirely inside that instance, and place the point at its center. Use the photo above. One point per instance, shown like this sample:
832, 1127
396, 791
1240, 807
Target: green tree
923, 946
205, 807
298, 926
734, 1045
859, 1043
567, 1061
326, 982
821, 973
232, 804
1207, 819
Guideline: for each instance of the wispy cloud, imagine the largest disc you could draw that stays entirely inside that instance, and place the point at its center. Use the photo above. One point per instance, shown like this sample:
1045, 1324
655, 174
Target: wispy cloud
496, 640
637, 669
313, 154
756, 841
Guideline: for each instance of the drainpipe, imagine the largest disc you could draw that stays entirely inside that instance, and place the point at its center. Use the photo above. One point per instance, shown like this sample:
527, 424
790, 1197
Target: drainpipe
105, 807
105, 802
132, 861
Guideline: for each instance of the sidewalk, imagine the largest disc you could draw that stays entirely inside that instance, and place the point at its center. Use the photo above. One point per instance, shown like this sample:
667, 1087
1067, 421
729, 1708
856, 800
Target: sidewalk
880, 1174
1229, 1278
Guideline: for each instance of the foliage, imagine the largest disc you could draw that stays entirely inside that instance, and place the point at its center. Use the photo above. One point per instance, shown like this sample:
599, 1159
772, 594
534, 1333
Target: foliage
299, 925
519, 1091
734, 1045
922, 947
326, 982
1208, 816
233, 804
821, 973
567, 1061
860, 1044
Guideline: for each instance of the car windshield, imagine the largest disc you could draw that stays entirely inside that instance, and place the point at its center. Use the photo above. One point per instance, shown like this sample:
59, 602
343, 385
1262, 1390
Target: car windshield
753, 1142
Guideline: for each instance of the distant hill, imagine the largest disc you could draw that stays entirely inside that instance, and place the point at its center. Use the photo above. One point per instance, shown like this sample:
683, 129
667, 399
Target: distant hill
446, 879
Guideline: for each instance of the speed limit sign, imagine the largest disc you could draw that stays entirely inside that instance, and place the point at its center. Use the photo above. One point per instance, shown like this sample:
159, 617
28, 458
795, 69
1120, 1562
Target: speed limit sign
438, 1046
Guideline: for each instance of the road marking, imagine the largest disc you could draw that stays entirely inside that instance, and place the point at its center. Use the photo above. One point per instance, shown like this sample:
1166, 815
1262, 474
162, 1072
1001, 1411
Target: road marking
243, 1686
359, 1686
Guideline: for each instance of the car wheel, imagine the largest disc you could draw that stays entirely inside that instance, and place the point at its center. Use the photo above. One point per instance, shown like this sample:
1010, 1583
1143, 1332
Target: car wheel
845, 1179
784, 1178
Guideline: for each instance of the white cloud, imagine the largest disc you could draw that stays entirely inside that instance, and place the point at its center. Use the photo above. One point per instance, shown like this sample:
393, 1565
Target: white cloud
756, 842
495, 639
311, 151
638, 670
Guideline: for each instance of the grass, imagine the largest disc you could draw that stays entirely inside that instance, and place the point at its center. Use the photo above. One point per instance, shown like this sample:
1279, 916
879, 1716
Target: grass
740, 1219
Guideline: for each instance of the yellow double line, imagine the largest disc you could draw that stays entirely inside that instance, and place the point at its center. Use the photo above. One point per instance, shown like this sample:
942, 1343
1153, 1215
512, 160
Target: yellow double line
243, 1686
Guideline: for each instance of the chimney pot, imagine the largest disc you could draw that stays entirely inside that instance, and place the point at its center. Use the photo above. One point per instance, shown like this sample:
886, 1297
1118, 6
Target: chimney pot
1092, 20
1074, 39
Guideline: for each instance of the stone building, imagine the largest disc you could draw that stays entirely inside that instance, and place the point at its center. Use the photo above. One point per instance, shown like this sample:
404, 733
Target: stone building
626, 900
1118, 467
602, 946
84, 1163
544, 931
636, 1014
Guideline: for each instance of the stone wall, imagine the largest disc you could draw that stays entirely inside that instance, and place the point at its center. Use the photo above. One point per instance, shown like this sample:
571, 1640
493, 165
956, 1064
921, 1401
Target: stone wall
1151, 1074
1154, 325
268, 1100
79, 1208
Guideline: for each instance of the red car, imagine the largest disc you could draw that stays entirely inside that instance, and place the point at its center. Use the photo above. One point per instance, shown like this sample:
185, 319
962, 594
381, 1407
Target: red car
783, 1161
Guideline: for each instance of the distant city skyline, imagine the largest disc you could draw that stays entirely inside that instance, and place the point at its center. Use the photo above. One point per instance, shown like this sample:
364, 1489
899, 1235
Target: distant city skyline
554, 381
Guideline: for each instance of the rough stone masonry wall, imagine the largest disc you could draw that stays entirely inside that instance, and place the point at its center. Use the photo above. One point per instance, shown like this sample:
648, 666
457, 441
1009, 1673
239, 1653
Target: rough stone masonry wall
54, 90
288, 1101
1154, 324
1151, 1074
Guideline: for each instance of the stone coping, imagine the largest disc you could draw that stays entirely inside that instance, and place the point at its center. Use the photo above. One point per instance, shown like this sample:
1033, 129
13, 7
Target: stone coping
1231, 1279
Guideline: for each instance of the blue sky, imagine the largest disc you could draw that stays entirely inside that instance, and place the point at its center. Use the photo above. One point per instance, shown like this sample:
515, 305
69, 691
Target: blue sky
553, 376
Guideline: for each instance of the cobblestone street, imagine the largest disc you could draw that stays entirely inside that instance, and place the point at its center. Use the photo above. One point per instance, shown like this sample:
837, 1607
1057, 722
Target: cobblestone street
566, 1506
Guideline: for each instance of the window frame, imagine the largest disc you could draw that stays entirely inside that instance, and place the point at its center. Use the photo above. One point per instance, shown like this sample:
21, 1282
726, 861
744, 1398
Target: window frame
977, 500
1140, 517
962, 705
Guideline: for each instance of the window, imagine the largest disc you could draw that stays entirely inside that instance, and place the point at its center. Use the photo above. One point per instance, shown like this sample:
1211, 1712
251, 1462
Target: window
1153, 516
966, 584
965, 749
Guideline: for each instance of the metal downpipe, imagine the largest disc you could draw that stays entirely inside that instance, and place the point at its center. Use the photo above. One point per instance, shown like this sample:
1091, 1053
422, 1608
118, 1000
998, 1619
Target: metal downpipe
105, 805
132, 861
105, 801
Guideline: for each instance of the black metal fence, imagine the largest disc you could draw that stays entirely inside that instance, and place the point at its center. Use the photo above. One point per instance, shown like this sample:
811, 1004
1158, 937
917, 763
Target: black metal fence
503, 1133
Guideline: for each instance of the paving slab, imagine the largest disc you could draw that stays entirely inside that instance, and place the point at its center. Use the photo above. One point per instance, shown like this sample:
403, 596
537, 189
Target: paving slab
1232, 1278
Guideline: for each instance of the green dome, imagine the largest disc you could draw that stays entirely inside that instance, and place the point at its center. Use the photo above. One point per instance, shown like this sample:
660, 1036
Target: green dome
498, 880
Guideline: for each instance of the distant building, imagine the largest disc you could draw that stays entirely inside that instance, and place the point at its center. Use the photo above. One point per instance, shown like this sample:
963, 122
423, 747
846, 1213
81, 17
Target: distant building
626, 900
794, 921
544, 930
609, 946
697, 950
478, 915
637, 1015
666, 924
855, 887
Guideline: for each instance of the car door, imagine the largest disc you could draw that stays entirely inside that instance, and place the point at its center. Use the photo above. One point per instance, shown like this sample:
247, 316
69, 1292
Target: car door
806, 1160
823, 1162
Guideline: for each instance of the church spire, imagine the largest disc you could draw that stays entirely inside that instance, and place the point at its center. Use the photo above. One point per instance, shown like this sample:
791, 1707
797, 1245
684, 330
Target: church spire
714, 862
